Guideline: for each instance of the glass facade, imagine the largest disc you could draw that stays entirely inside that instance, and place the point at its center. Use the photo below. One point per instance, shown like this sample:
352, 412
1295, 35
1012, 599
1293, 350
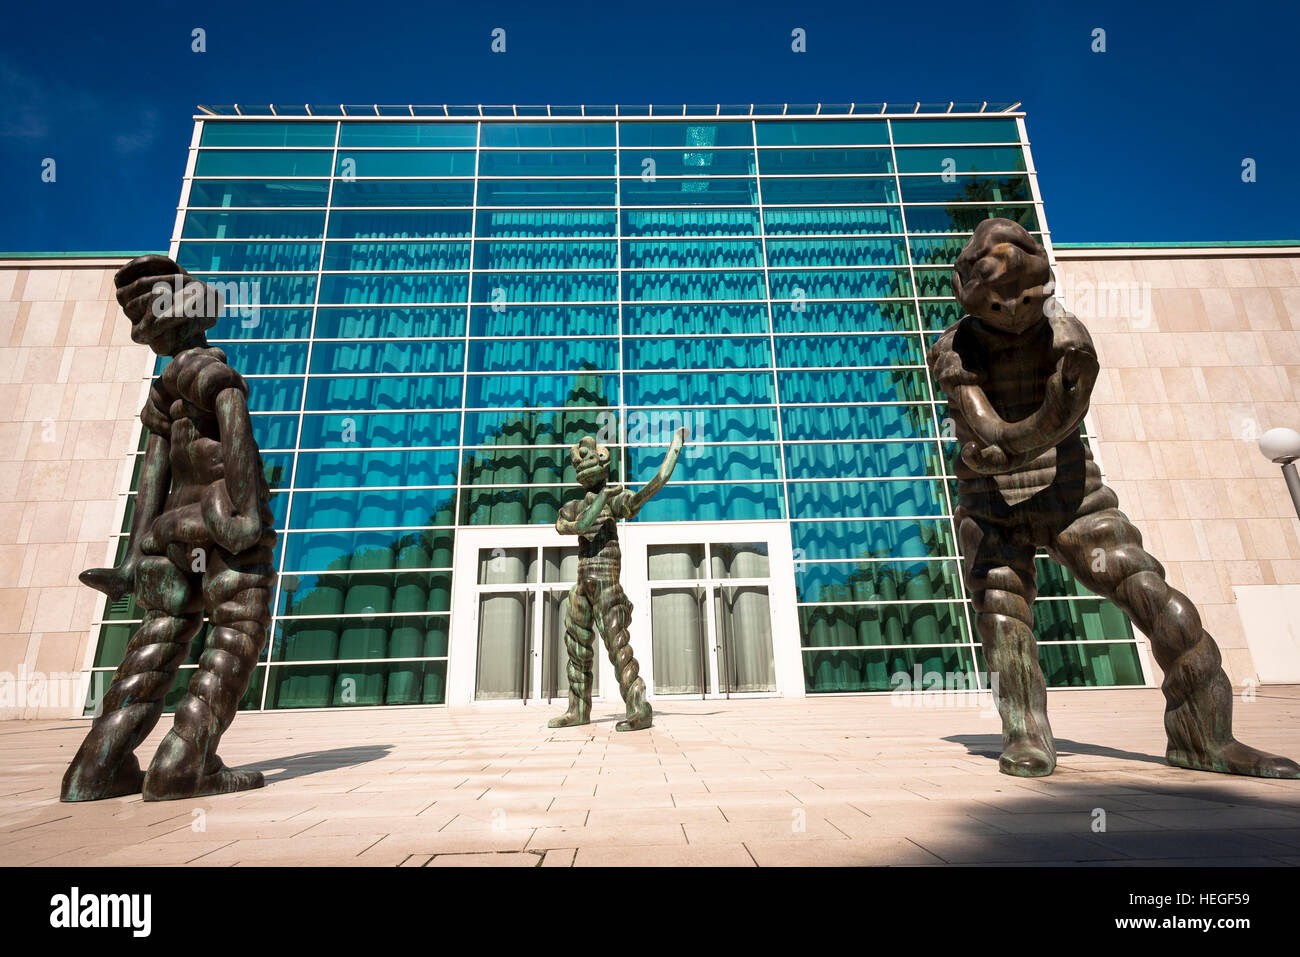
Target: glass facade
430, 311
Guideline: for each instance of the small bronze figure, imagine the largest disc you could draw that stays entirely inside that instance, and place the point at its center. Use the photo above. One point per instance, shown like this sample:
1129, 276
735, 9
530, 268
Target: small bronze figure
1018, 372
597, 600
201, 538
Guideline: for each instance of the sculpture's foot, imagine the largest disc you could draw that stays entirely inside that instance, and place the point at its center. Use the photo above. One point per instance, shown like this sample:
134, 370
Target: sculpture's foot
639, 720
569, 719
177, 771
1232, 758
83, 782
1028, 758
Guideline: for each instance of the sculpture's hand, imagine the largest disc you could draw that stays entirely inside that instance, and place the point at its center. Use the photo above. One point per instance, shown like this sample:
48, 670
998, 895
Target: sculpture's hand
113, 582
232, 530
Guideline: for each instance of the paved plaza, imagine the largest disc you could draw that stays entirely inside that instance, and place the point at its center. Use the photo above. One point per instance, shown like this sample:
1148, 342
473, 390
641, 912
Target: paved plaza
817, 781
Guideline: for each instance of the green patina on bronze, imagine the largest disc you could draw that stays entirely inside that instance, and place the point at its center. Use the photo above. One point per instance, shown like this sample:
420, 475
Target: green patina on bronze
201, 538
597, 600
1019, 371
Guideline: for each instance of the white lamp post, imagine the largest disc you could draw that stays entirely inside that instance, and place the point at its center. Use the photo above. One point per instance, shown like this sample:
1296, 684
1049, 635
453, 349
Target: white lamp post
1283, 447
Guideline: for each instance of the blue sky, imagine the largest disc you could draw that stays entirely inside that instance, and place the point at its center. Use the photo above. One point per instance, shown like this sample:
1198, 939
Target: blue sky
1141, 143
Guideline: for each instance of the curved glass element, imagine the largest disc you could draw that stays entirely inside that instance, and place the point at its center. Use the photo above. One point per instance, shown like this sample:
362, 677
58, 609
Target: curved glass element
858, 422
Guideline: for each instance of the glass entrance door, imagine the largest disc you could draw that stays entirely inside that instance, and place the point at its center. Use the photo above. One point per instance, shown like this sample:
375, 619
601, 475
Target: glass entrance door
711, 619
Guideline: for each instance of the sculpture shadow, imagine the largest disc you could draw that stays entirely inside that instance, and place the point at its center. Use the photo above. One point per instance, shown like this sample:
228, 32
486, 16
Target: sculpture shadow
990, 746
313, 762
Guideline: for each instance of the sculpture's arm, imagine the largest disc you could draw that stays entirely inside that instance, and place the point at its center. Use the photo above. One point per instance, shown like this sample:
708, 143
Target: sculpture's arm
567, 525
1069, 389
231, 505
638, 500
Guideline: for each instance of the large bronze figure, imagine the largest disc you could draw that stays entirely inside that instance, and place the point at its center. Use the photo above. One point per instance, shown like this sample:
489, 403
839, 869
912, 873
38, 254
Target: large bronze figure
1018, 372
597, 600
201, 538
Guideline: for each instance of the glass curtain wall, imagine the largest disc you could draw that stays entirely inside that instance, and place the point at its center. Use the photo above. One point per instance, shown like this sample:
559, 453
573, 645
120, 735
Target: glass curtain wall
430, 312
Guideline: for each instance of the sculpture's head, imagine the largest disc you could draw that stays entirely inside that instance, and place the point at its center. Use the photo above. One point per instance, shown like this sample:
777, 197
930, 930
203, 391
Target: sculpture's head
169, 309
1002, 276
591, 462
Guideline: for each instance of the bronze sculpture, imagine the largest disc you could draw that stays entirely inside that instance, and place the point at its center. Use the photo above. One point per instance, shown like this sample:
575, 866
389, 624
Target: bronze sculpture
597, 600
1018, 372
201, 537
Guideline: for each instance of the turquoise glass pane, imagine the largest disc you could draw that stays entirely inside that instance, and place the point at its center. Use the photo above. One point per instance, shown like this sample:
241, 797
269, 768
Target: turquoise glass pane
323, 686
693, 254
400, 224
253, 225
822, 132
357, 469
849, 189
544, 321
685, 285
831, 582
396, 256
829, 221
286, 358
409, 134
275, 431
517, 287
522, 391
514, 506
405, 192
547, 134
901, 538
699, 388
842, 284
695, 191
964, 219
966, 189
960, 159
691, 222
380, 430
895, 316
801, 162
856, 385
881, 669
650, 163
255, 257
866, 499
1086, 666
409, 357
547, 163
244, 192
391, 322
858, 422
512, 427
395, 288
328, 594
709, 463
717, 353
365, 163
370, 508
864, 460
339, 551
940, 315
546, 192
849, 351
715, 503
922, 623
542, 355
955, 131
262, 133
1083, 619
274, 395
836, 252
546, 255
525, 466
934, 282
263, 163
688, 134
719, 319
542, 223
409, 392
244, 294
1054, 581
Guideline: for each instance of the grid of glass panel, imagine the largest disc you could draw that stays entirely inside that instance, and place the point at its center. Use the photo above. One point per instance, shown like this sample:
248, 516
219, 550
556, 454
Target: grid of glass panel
447, 305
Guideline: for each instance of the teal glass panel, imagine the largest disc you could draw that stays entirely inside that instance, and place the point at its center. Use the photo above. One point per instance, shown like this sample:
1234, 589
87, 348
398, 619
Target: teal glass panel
961, 159
857, 385
340, 551
523, 391
694, 191
366, 163
829, 221
391, 322
514, 506
840, 284
405, 192
802, 351
545, 223
879, 669
934, 282
244, 294
940, 315
747, 352
539, 254
1086, 665
275, 431
864, 460
370, 508
254, 359
380, 430
690, 222
542, 355
857, 422
719, 319
966, 189
699, 388
718, 425
897, 316
407, 591
836, 252
822, 132
542, 135
903, 538
258, 257
525, 466
410, 357
955, 131
689, 134
1055, 581
546, 192
373, 468
1083, 619
394, 287
723, 502
915, 497
324, 686
512, 427
650, 163
263, 163
686, 286
709, 463
271, 192
802, 162
544, 321
407, 392
922, 623
409, 134
273, 395
964, 219
849, 189
396, 256
262, 133
936, 250
253, 225
697, 254
400, 224
547, 163
517, 287
831, 582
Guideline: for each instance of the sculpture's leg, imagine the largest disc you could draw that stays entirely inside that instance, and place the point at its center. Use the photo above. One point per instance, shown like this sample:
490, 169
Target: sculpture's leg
1104, 551
580, 644
1000, 575
105, 765
615, 614
237, 590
